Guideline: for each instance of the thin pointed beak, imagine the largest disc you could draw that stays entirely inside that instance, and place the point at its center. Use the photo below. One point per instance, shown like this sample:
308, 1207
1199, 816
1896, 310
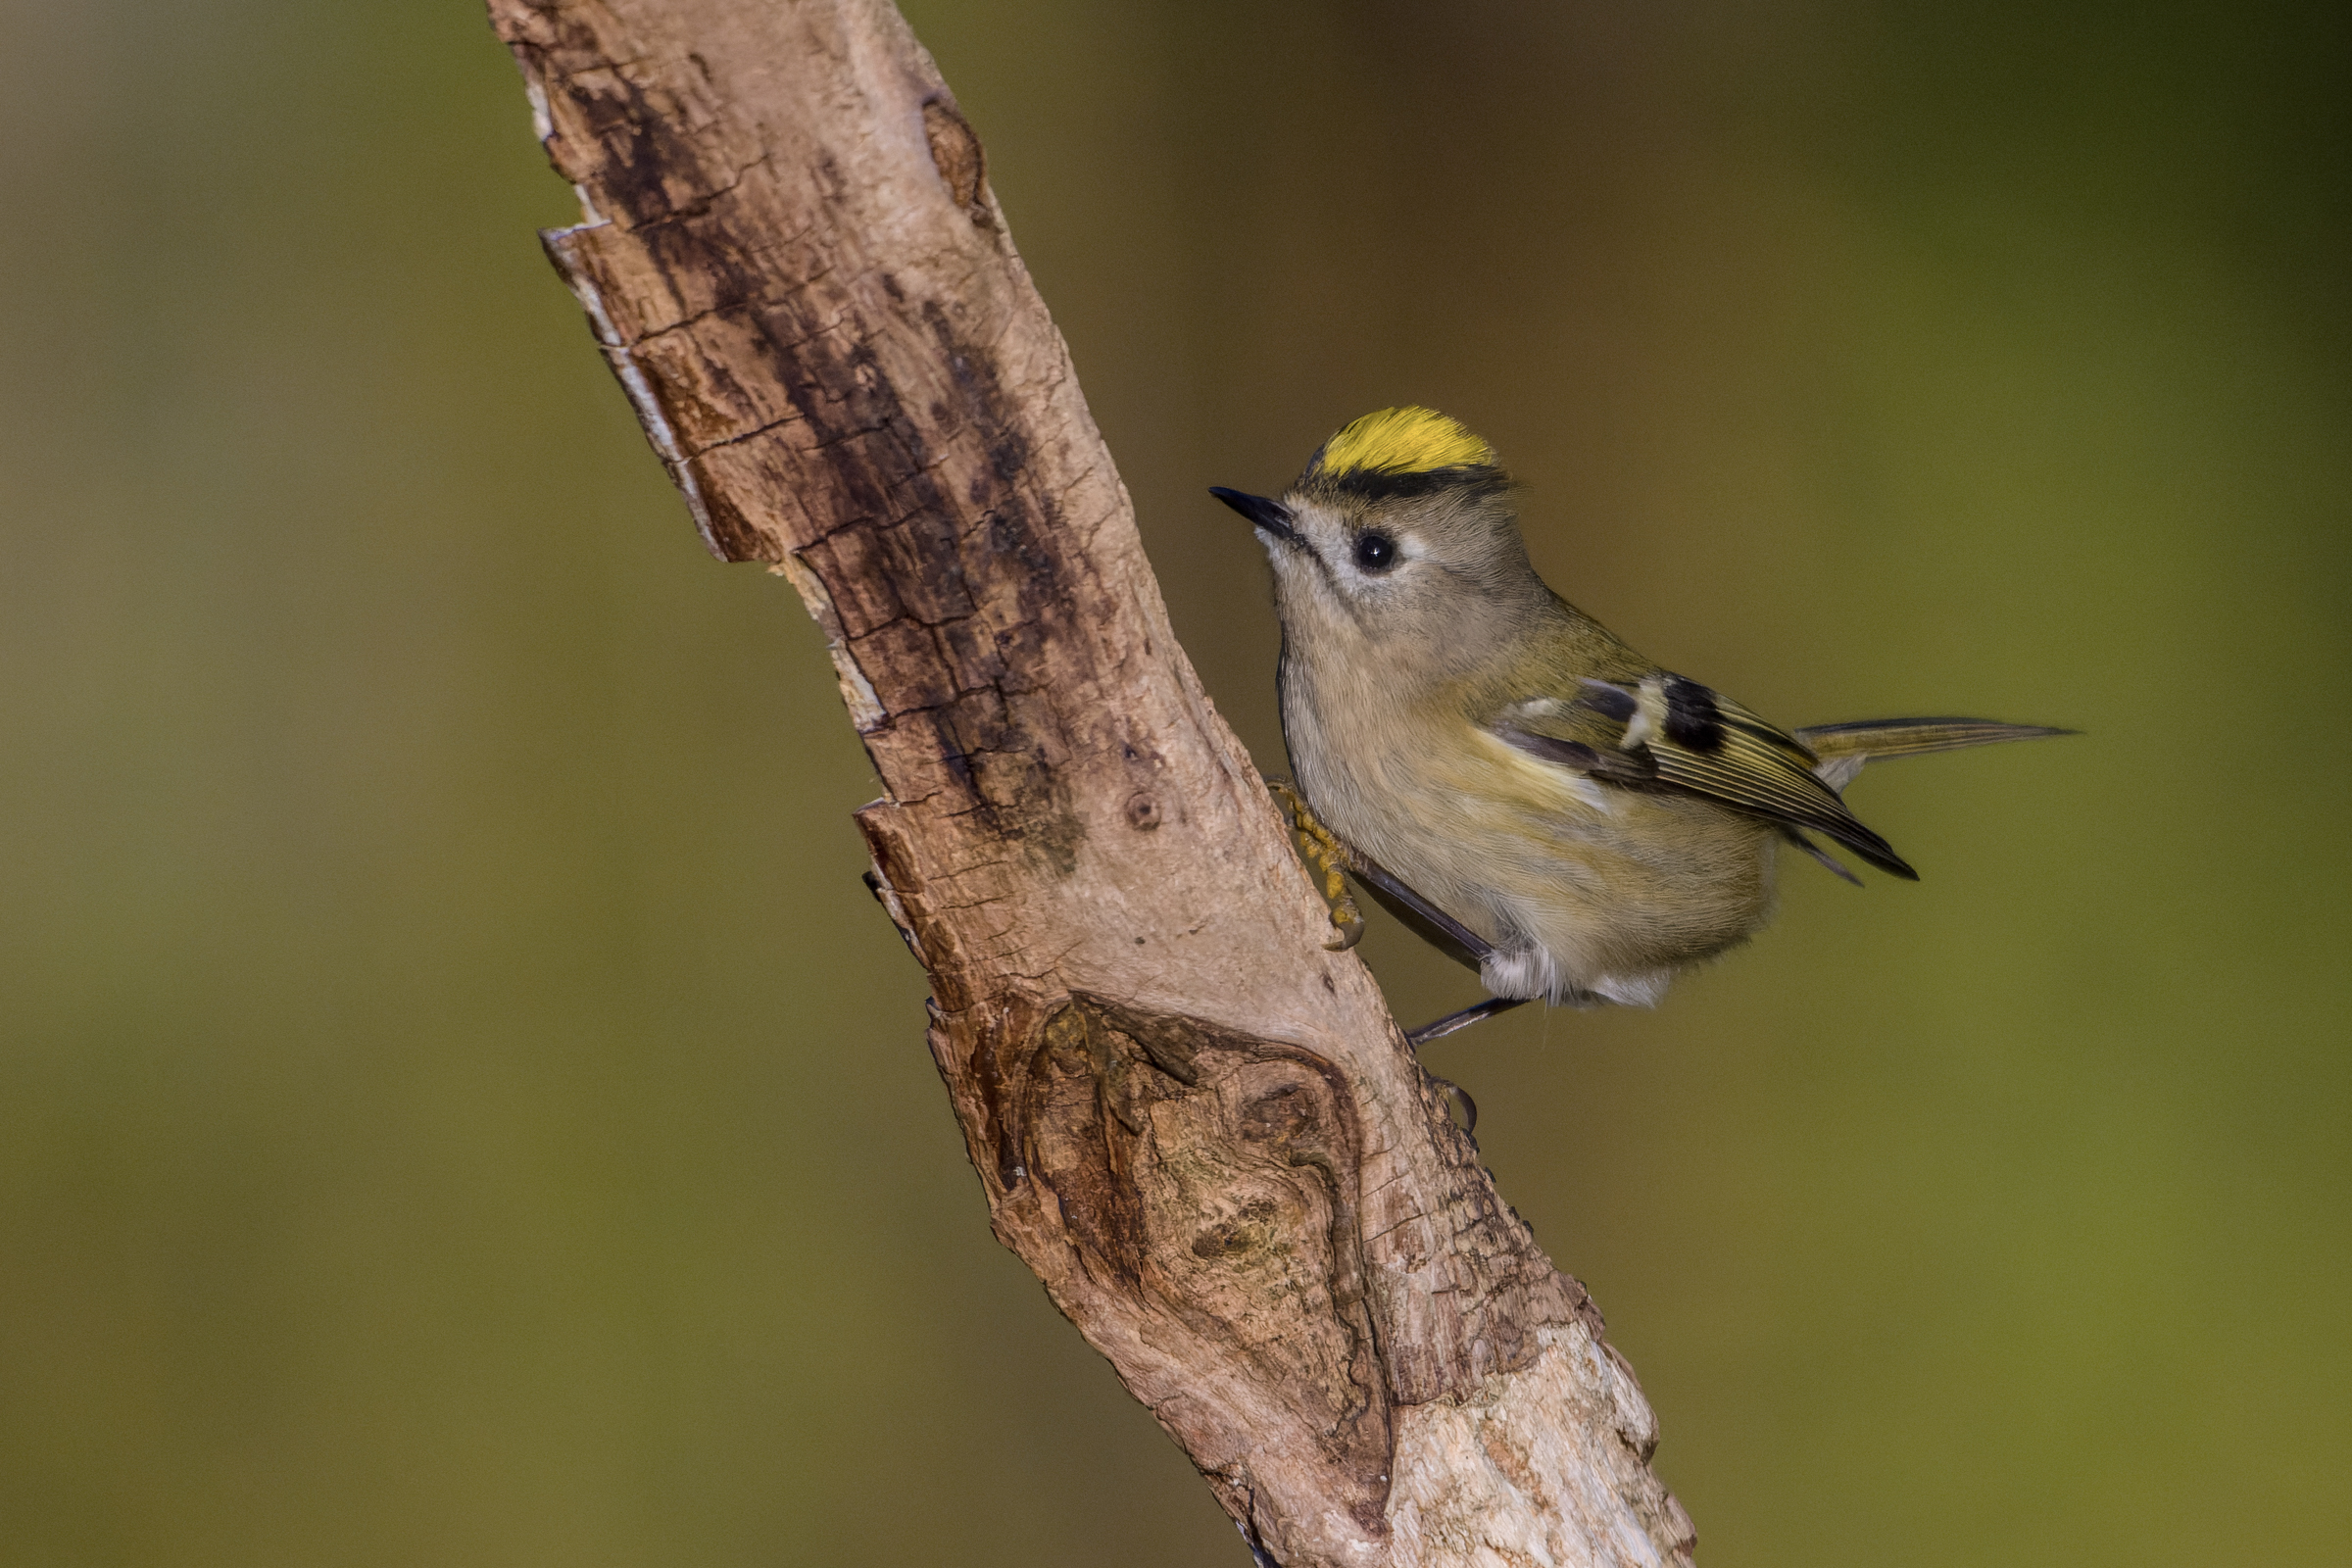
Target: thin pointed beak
1263, 511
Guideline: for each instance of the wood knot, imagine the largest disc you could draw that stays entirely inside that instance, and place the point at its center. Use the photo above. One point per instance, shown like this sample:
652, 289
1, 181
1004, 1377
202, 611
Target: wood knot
1250, 1231
1278, 1116
955, 152
1142, 812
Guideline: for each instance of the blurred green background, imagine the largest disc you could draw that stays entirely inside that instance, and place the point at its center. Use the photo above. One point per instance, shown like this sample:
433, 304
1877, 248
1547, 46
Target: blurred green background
457, 1104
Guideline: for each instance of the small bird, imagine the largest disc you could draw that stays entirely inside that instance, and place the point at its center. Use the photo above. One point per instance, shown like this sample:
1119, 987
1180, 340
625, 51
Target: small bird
1508, 776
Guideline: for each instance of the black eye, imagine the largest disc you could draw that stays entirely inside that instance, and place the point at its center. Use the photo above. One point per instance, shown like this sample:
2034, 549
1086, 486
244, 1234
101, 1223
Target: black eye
1375, 552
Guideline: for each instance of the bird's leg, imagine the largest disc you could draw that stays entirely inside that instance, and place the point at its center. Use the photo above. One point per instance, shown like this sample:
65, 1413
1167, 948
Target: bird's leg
1454, 1022
1450, 1024
1322, 849
1474, 950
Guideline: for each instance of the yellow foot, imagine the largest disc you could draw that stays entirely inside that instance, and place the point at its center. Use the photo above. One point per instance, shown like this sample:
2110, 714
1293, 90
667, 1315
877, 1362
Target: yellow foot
1321, 849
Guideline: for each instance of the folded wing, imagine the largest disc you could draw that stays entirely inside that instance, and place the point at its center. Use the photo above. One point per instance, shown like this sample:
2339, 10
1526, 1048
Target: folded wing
1668, 732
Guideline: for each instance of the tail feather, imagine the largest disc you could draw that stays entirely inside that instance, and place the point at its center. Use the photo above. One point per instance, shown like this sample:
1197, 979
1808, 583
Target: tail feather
1844, 748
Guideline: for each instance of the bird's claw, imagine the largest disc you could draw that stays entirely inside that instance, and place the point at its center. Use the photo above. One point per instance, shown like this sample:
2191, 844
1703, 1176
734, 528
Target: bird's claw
1322, 849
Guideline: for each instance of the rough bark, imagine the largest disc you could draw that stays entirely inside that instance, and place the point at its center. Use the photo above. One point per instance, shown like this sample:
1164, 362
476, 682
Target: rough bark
1197, 1125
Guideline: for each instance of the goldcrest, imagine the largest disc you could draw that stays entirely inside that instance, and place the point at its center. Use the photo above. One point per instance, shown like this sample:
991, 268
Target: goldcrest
1520, 784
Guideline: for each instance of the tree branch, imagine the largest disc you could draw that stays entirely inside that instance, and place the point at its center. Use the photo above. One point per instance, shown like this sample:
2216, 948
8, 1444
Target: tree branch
1197, 1125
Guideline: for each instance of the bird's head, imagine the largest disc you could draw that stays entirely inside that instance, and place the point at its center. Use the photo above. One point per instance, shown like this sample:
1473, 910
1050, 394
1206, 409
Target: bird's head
1399, 539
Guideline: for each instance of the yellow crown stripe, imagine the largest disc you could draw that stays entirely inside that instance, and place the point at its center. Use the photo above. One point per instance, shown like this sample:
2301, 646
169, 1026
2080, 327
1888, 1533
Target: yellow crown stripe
1403, 441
